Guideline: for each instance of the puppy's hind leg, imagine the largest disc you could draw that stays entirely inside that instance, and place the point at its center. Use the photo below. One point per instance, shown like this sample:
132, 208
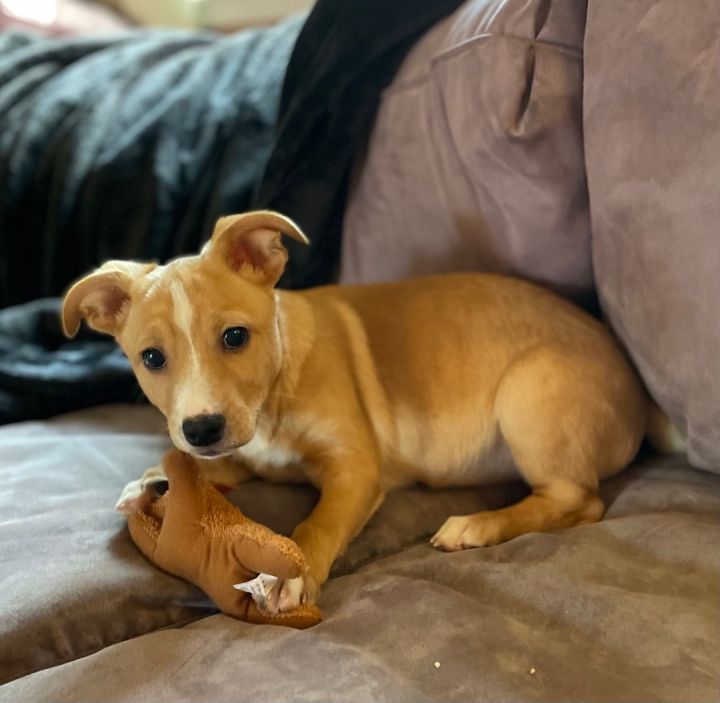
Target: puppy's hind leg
567, 425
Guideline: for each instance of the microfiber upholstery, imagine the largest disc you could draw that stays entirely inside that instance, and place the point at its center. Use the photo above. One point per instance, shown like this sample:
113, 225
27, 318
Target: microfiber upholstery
625, 609
476, 159
652, 111
72, 580
621, 610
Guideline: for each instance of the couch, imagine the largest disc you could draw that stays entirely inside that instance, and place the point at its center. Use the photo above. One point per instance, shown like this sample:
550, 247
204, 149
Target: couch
572, 144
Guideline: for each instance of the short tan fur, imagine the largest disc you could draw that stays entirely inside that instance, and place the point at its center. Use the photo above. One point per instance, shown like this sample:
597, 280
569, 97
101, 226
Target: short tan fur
464, 379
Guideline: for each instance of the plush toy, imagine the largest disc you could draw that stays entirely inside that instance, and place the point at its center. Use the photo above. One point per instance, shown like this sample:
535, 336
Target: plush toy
193, 532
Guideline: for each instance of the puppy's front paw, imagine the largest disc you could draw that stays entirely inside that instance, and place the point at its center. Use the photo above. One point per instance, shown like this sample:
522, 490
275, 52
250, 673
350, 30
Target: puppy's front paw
138, 494
289, 594
467, 531
134, 497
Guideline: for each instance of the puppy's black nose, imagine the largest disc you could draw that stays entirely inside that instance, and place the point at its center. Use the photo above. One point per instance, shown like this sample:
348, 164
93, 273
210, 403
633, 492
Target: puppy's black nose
203, 430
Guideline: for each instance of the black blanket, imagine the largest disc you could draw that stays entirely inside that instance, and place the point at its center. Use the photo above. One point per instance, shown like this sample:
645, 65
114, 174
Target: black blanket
128, 146
131, 147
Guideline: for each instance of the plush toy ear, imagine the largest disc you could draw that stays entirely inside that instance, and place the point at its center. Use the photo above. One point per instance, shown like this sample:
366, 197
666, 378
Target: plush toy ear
250, 244
102, 298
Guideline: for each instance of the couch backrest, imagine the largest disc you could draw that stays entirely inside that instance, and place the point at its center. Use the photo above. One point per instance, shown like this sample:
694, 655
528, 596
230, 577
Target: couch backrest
476, 158
652, 129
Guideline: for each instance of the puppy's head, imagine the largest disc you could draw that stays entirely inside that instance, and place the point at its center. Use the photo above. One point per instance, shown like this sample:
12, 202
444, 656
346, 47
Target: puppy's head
201, 332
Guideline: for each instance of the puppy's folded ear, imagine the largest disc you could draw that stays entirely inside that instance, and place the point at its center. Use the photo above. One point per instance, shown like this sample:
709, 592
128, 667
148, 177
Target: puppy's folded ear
102, 299
250, 244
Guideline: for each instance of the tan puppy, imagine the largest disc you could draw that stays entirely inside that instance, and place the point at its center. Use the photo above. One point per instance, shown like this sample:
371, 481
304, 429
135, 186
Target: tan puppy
452, 380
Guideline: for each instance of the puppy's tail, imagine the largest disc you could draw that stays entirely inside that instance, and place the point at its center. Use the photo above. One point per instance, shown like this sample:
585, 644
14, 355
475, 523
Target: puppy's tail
664, 437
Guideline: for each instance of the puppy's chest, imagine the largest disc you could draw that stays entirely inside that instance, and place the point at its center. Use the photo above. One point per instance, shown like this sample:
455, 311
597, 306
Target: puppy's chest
273, 460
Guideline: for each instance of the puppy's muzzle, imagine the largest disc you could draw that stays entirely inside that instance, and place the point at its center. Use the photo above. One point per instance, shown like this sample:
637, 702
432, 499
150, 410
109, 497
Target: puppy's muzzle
203, 430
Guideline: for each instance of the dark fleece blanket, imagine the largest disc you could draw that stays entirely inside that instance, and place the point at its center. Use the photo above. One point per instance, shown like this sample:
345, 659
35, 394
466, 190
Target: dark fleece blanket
132, 146
128, 146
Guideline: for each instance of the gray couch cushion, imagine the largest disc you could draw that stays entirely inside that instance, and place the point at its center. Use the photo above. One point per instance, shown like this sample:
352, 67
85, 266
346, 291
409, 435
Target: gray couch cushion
652, 112
476, 161
73, 582
623, 610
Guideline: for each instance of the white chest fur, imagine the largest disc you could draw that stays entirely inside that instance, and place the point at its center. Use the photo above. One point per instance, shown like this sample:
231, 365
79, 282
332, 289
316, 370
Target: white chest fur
270, 459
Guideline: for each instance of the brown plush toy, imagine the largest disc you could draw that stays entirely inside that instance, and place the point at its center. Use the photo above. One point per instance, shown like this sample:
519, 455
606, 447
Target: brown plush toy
193, 532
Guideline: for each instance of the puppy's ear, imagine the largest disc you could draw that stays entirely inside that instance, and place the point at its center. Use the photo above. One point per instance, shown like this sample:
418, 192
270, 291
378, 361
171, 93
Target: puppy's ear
102, 299
250, 244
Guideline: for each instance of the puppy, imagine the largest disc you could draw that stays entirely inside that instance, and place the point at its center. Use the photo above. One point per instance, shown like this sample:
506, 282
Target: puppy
456, 380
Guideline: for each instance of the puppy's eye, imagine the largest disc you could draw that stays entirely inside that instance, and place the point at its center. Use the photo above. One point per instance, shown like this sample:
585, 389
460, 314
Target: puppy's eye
235, 337
153, 359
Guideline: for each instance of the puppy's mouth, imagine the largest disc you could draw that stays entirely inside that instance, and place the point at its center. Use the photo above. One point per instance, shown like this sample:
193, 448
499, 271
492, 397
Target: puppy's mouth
215, 452
219, 450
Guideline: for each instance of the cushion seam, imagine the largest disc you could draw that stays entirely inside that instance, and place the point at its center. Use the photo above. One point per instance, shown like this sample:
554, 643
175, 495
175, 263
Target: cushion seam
450, 53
